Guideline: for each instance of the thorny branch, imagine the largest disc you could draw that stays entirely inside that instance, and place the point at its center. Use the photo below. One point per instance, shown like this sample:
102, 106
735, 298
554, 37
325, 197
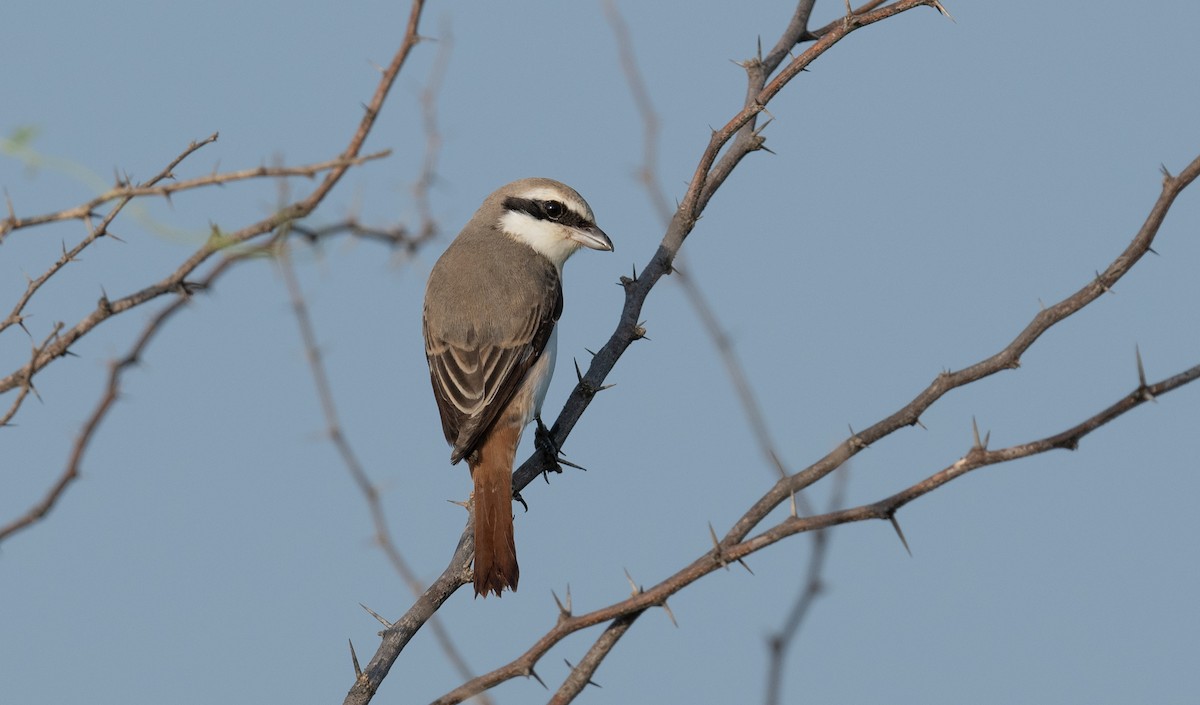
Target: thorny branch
95, 232
779, 642
112, 390
337, 436
812, 587
648, 176
334, 430
124, 193
731, 550
177, 282
708, 177
727, 147
710, 174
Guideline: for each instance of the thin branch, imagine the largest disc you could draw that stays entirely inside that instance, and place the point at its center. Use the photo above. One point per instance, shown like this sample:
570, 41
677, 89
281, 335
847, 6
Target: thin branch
16, 316
127, 193
337, 436
729, 551
221, 241
12, 222
112, 390
648, 176
707, 178
1006, 359
735, 545
781, 641
974, 459
176, 283
581, 674
648, 172
397, 236
433, 137
27, 388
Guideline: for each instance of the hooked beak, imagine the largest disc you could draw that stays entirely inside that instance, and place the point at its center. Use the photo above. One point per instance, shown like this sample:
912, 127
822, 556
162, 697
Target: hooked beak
592, 237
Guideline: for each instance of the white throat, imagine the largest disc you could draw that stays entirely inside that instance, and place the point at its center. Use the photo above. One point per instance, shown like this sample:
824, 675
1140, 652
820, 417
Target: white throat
548, 238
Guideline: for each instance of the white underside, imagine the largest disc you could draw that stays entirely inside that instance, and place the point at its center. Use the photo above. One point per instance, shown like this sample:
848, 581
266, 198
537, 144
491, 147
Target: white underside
528, 399
540, 374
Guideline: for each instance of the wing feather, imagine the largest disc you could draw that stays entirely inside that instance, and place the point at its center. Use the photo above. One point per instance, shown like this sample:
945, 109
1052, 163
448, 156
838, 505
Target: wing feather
475, 375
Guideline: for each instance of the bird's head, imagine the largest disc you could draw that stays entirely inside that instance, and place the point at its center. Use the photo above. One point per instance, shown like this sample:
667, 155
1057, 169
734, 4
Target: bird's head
548, 216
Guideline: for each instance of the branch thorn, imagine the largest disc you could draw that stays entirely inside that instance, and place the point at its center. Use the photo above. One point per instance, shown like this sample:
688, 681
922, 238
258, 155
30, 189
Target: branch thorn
589, 681
1141, 370
637, 589
670, 614
386, 624
358, 674
945, 13
979, 445
899, 532
530, 673
564, 610
630, 280
717, 552
856, 443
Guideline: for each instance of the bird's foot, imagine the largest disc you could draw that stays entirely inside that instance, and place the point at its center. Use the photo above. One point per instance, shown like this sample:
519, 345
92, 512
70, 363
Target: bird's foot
544, 442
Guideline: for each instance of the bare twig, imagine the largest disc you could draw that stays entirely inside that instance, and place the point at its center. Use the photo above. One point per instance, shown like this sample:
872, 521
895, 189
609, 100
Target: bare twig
581, 673
732, 550
779, 642
127, 193
1005, 359
648, 176
398, 236
727, 146
648, 172
337, 436
95, 232
27, 388
220, 241
433, 138
708, 177
116, 371
734, 545
177, 282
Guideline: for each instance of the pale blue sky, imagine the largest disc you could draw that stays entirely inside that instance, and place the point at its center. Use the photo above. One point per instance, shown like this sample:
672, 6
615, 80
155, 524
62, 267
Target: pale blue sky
932, 182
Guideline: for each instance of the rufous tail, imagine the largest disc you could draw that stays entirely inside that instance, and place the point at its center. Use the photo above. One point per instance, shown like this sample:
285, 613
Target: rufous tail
495, 549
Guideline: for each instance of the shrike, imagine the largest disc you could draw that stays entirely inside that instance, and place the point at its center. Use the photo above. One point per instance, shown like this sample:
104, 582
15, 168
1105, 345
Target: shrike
490, 308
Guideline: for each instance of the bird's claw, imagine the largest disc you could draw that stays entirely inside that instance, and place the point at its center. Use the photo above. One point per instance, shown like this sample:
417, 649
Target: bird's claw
544, 442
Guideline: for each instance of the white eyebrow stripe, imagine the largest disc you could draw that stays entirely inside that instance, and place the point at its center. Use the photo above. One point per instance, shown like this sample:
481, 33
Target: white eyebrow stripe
541, 193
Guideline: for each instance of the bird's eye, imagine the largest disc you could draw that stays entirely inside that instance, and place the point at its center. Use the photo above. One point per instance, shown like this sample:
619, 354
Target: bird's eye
554, 209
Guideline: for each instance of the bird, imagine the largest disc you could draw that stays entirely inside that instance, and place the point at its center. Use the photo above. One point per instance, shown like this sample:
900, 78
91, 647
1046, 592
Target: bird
491, 305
